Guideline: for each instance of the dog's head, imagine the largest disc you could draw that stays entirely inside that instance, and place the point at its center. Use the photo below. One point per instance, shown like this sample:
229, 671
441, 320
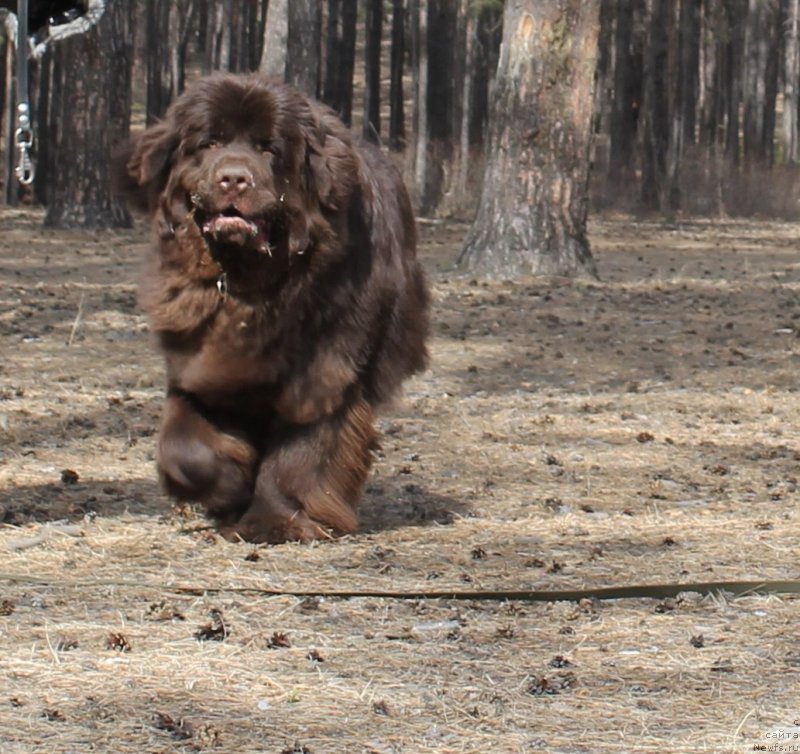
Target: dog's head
250, 161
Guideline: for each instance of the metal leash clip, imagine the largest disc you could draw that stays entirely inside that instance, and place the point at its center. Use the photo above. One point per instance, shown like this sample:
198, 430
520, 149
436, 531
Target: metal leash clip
23, 140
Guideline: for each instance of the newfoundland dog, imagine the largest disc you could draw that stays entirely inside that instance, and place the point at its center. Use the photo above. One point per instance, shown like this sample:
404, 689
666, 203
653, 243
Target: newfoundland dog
286, 295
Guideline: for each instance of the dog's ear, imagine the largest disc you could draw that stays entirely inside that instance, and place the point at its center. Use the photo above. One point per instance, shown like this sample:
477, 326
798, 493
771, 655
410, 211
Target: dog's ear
141, 167
331, 164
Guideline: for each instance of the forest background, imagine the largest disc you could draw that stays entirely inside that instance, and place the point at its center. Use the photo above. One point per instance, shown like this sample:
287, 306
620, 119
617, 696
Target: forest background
696, 101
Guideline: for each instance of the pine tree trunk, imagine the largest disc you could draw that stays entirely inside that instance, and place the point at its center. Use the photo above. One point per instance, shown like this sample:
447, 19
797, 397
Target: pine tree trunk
656, 121
419, 52
397, 127
159, 91
372, 71
41, 106
212, 27
11, 185
689, 69
791, 100
772, 51
464, 157
603, 87
760, 82
532, 215
236, 24
488, 35
91, 103
340, 54
736, 11
683, 103
441, 27
276, 30
626, 97
711, 110
303, 45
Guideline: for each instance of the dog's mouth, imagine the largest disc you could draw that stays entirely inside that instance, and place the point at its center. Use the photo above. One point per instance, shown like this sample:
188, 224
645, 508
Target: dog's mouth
230, 225
231, 228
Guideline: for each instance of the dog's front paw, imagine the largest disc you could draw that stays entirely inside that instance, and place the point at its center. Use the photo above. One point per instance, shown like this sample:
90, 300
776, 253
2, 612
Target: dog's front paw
296, 528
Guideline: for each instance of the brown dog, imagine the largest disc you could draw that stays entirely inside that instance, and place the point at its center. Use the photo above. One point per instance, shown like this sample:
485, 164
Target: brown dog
286, 295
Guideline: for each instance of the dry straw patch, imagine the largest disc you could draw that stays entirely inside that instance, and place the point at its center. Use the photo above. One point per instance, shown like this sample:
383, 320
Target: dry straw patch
641, 428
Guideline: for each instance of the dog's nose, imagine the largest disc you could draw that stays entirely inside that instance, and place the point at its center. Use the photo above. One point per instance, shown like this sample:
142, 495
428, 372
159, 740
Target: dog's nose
236, 178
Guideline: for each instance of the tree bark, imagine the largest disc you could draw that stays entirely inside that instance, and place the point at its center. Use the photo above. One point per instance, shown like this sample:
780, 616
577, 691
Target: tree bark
656, 125
710, 106
773, 55
532, 215
419, 53
627, 97
397, 127
466, 97
44, 128
441, 114
683, 104
303, 45
337, 91
736, 13
791, 82
158, 93
689, 69
91, 104
276, 30
760, 83
489, 33
373, 34
10, 183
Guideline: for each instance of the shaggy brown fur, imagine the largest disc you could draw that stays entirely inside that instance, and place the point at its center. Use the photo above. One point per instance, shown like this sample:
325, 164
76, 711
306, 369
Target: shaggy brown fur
286, 295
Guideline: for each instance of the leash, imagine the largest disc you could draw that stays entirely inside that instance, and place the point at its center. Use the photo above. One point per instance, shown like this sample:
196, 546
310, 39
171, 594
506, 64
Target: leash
23, 135
636, 591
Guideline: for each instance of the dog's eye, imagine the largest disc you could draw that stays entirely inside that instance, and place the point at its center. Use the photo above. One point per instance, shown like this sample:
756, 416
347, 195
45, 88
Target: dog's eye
211, 143
265, 145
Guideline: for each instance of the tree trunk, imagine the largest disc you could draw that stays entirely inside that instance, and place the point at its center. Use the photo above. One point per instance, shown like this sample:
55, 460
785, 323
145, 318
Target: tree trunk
604, 77
466, 97
44, 128
213, 26
689, 69
276, 30
340, 55
489, 33
303, 45
683, 106
11, 185
791, 82
397, 127
736, 12
91, 105
772, 51
532, 215
181, 21
373, 35
760, 82
236, 24
419, 53
158, 94
441, 27
168, 26
712, 57
656, 125
627, 97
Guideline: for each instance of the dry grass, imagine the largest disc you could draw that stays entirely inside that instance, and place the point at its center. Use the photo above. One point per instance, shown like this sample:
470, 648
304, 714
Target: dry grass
642, 428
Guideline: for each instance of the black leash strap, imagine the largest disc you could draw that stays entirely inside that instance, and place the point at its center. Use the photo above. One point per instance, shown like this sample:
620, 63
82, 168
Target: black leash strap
634, 591
23, 135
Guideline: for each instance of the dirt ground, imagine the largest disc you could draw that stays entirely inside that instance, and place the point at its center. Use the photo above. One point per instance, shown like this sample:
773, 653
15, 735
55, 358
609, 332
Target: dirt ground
640, 428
